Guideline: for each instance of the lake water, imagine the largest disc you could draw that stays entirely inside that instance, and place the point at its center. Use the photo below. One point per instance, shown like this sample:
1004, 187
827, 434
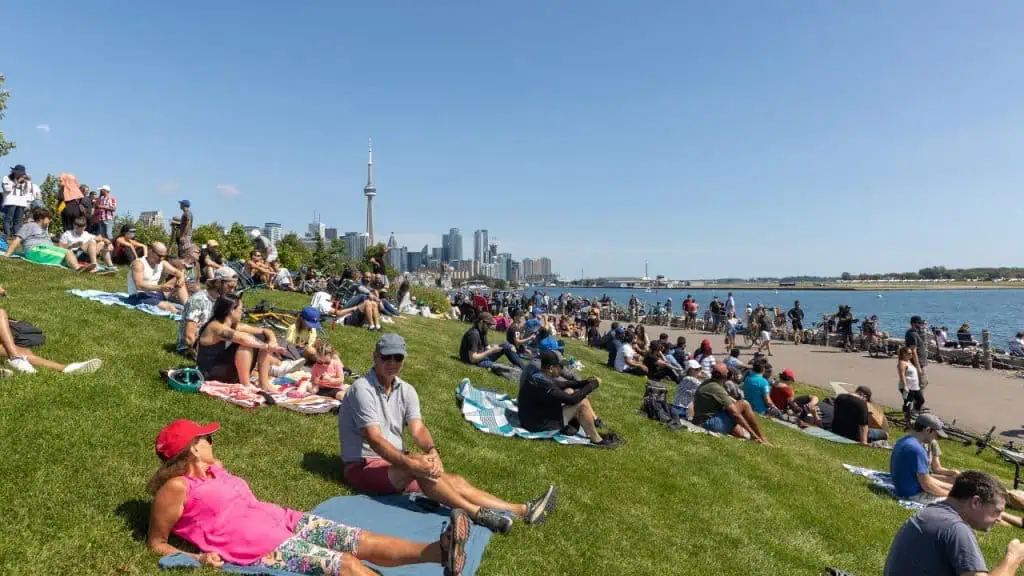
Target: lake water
1001, 311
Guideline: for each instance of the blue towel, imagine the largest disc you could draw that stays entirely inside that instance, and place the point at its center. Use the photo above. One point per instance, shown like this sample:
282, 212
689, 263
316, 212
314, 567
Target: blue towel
118, 299
884, 481
401, 516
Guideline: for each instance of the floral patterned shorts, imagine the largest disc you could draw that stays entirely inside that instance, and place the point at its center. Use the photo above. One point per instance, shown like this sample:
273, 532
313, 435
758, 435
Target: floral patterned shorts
316, 548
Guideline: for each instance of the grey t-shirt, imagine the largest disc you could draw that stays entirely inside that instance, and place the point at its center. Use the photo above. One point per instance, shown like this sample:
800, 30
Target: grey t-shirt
934, 542
32, 235
366, 405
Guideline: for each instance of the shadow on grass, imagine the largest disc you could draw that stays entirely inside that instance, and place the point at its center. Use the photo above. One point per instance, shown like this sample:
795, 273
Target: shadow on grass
136, 517
327, 466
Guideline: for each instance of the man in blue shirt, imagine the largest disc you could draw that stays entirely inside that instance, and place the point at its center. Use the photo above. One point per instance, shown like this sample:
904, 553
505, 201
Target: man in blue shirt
756, 389
908, 464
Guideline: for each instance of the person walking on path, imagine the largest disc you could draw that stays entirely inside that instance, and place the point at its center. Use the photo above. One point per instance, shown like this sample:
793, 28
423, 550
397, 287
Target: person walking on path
796, 316
916, 341
910, 385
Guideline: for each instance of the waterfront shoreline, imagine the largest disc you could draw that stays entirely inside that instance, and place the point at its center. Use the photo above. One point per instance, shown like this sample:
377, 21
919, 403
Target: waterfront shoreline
828, 288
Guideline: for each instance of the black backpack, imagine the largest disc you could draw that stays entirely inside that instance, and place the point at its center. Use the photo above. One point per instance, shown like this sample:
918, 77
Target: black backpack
656, 406
26, 335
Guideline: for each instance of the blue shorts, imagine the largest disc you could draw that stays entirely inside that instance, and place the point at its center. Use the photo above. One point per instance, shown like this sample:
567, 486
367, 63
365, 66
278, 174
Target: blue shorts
721, 422
151, 298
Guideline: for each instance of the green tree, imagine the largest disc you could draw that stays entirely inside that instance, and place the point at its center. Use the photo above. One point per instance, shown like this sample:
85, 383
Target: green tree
236, 244
149, 234
203, 234
49, 188
5, 145
292, 253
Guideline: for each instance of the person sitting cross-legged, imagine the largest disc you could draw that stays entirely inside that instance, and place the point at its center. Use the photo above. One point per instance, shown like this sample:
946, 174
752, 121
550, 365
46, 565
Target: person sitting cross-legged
196, 499
25, 361
716, 411
804, 407
551, 399
626, 358
144, 281
199, 308
909, 463
939, 539
86, 246
376, 411
474, 348
34, 239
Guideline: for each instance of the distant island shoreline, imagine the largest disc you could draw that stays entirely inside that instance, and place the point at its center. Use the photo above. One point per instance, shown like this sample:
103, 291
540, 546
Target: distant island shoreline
846, 287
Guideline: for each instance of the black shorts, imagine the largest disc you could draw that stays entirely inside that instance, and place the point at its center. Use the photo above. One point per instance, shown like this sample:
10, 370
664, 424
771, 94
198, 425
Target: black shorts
797, 325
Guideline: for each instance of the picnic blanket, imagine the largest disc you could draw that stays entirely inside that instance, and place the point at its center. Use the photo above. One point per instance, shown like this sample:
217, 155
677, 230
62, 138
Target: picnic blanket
411, 517
496, 413
250, 396
100, 268
816, 432
118, 299
507, 371
884, 481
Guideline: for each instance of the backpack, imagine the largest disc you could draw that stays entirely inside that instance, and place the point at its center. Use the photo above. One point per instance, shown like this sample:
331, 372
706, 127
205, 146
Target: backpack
656, 407
26, 335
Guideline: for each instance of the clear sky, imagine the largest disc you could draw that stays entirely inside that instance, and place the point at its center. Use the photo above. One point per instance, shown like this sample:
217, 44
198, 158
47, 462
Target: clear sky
712, 139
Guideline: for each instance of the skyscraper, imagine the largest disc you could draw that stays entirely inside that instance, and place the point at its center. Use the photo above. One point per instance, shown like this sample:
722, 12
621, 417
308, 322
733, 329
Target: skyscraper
316, 228
369, 191
446, 248
356, 243
544, 263
455, 241
273, 231
480, 246
330, 234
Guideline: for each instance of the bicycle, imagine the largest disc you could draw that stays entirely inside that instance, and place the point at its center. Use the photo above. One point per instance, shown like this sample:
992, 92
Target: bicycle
264, 314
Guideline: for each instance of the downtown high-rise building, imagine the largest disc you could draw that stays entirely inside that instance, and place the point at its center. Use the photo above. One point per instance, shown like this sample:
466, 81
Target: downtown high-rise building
316, 228
481, 246
455, 245
273, 231
356, 243
330, 234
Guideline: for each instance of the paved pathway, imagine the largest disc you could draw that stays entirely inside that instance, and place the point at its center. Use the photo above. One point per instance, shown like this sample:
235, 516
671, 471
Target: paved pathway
977, 399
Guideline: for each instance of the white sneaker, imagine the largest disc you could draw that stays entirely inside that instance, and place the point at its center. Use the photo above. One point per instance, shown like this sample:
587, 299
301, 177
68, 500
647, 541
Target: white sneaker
21, 364
87, 367
286, 367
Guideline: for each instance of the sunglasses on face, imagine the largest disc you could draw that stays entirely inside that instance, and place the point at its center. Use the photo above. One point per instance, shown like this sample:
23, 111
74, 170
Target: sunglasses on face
392, 358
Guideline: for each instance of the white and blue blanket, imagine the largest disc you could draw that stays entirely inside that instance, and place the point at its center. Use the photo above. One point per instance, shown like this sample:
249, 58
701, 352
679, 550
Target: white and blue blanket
496, 413
883, 480
119, 299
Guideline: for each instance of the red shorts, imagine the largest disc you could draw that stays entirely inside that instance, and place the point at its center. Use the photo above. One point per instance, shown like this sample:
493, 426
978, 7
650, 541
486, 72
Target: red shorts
372, 477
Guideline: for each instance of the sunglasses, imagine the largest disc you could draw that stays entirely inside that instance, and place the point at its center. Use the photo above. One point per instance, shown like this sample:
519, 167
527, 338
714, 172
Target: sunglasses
392, 358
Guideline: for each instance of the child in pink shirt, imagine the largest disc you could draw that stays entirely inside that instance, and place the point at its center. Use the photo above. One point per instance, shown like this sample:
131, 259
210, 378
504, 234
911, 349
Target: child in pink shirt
329, 372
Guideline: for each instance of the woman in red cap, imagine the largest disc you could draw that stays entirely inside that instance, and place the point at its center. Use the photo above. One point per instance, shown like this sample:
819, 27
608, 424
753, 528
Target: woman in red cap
196, 499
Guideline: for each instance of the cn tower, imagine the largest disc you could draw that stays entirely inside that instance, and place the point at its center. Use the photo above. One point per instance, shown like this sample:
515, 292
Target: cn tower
369, 191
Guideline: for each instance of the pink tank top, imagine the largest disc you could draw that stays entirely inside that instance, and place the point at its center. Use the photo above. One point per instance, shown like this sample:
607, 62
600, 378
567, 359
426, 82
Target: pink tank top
222, 515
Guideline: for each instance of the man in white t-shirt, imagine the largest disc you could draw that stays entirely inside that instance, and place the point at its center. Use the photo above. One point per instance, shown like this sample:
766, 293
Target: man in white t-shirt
86, 245
626, 360
282, 277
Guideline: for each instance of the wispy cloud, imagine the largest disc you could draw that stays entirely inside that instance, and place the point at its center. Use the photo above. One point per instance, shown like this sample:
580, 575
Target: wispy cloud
167, 187
227, 190
43, 128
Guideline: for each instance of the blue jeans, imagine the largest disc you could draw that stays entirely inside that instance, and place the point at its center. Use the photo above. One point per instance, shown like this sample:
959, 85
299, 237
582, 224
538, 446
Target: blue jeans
874, 435
12, 215
508, 351
356, 300
106, 229
389, 308
721, 422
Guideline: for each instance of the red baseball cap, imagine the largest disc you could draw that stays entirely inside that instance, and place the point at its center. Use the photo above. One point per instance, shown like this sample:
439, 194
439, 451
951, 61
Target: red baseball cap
787, 374
720, 369
177, 435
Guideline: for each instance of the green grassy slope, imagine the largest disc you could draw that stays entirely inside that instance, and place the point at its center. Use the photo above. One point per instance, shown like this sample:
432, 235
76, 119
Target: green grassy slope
77, 451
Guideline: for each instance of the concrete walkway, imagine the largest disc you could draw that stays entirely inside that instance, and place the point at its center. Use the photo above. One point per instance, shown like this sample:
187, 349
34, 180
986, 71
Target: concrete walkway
977, 399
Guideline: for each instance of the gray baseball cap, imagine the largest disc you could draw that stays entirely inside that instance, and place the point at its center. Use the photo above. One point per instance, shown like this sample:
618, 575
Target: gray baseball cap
391, 344
931, 421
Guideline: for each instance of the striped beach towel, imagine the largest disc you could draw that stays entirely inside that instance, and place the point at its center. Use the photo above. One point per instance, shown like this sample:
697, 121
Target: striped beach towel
496, 413
884, 481
118, 299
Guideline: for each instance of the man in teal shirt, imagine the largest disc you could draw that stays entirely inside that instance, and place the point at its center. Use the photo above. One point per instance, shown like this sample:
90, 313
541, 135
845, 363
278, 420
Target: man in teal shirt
756, 389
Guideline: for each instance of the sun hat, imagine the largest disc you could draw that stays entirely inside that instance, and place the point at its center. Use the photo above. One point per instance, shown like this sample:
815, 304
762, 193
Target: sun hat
105, 188
224, 273
311, 316
692, 365
212, 244
177, 435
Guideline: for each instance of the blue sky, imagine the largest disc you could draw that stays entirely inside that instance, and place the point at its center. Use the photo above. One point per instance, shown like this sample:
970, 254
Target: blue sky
712, 139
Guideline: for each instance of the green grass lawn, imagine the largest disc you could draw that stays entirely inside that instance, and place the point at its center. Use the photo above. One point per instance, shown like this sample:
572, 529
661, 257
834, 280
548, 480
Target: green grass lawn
77, 452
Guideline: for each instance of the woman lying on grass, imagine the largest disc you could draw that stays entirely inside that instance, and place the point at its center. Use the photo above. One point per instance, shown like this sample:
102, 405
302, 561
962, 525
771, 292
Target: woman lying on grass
23, 360
196, 499
228, 351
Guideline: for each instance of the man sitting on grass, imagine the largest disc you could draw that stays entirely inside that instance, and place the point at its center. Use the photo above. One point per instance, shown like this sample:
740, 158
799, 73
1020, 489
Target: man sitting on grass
23, 360
909, 464
804, 407
687, 387
514, 334
550, 399
86, 246
376, 411
474, 348
145, 276
716, 411
34, 238
852, 417
940, 539
199, 308
626, 359
756, 389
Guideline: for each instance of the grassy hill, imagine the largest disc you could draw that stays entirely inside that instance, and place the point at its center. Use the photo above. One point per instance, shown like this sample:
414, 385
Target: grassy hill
77, 452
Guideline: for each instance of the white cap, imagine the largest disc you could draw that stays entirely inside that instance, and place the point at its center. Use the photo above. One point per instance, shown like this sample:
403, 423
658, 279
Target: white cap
105, 187
692, 365
255, 233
